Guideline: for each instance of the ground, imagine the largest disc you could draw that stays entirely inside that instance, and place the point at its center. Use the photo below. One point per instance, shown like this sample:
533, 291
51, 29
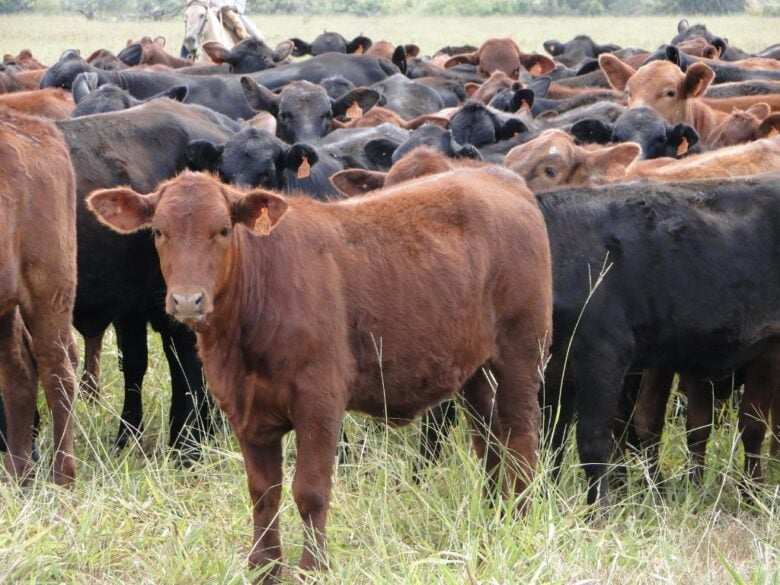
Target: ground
139, 518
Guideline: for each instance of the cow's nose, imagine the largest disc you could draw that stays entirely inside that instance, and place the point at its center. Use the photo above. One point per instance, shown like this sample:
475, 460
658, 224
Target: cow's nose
188, 304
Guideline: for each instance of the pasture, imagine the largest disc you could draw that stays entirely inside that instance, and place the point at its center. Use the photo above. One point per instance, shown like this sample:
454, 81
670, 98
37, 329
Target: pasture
139, 518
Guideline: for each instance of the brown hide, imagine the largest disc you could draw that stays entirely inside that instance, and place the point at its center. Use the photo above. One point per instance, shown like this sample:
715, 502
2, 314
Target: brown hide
503, 55
37, 286
52, 103
384, 304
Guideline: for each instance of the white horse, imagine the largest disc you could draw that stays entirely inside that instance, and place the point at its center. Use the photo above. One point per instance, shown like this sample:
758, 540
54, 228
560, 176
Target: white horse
203, 23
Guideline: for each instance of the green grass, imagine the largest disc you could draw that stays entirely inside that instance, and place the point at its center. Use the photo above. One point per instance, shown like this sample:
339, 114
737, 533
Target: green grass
49, 35
138, 518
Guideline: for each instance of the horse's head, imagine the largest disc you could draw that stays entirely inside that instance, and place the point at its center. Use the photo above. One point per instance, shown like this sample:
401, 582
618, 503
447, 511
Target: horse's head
196, 16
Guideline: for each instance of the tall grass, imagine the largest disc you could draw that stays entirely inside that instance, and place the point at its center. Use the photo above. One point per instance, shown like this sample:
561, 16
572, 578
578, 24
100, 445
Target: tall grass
139, 518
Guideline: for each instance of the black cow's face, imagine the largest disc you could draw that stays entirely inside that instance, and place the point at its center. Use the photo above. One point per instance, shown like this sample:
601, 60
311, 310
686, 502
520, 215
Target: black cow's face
437, 138
475, 124
655, 135
107, 98
305, 113
64, 71
250, 159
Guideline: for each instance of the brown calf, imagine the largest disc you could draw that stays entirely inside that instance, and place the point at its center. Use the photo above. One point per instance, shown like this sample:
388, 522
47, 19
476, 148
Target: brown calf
385, 304
153, 53
673, 94
52, 103
503, 55
24, 60
37, 287
21, 81
745, 126
378, 115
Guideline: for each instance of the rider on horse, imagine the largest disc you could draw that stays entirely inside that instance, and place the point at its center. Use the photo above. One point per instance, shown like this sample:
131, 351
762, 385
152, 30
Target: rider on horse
234, 19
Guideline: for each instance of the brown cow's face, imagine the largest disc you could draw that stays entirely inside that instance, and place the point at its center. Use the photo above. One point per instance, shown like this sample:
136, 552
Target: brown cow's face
553, 160
194, 221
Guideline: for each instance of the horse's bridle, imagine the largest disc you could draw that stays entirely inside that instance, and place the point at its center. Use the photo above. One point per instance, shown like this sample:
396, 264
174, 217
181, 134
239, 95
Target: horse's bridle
207, 6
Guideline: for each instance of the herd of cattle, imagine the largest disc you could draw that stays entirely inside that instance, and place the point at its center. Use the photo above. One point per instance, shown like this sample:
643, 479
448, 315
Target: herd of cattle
582, 227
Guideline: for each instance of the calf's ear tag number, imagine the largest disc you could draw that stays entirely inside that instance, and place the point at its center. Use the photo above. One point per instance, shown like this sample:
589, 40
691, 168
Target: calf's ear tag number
304, 170
263, 223
354, 111
683, 148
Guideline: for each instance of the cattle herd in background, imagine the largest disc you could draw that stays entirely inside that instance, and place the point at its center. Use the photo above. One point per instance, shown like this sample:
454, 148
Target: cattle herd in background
609, 216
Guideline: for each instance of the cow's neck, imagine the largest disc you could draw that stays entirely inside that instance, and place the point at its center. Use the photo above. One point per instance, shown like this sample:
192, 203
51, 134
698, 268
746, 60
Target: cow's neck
703, 118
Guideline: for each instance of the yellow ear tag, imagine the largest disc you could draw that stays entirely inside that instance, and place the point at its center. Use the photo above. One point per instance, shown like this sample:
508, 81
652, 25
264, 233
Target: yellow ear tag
304, 169
683, 148
263, 223
354, 111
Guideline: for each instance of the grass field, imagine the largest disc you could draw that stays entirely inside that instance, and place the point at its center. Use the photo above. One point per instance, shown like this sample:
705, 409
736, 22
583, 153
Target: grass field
138, 518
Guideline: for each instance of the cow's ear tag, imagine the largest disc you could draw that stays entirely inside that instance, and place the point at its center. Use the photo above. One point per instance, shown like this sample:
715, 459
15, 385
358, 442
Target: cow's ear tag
304, 170
683, 148
263, 223
354, 111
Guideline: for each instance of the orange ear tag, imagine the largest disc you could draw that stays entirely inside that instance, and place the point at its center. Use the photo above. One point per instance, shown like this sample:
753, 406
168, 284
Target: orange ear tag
354, 112
263, 223
304, 169
683, 148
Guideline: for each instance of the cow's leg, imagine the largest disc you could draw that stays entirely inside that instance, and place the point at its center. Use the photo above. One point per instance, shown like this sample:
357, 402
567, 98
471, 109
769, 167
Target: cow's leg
436, 424
761, 386
52, 338
650, 415
699, 422
18, 383
190, 415
90, 378
599, 372
478, 396
131, 337
264, 475
557, 399
317, 426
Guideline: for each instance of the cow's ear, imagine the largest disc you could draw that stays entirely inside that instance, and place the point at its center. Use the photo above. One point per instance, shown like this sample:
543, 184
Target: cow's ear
554, 47
471, 88
720, 44
380, 151
411, 50
522, 98
587, 66
300, 158
300, 47
683, 26
611, 163
177, 93
769, 127
85, 83
512, 127
592, 130
159, 41
698, 78
760, 110
606, 49
617, 72
469, 58
204, 155
217, 52
682, 137
359, 45
131, 55
122, 209
540, 86
364, 97
259, 210
260, 98
468, 151
674, 55
351, 182
399, 59
537, 64
283, 50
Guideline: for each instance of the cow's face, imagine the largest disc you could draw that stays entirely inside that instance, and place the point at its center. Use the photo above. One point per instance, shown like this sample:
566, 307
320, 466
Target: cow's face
194, 219
305, 113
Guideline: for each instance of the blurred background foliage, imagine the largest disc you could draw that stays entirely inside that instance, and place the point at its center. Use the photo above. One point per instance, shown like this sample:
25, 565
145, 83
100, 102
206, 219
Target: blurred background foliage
168, 8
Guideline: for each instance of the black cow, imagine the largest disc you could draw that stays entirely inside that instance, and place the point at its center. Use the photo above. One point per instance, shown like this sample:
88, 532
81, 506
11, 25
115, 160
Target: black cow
248, 56
331, 42
741, 88
643, 125
477, 124
686, 32
223, 93
255, 158
409, 99
724, 72
110, 98
437, 138
303, 110
119, 279
577, 50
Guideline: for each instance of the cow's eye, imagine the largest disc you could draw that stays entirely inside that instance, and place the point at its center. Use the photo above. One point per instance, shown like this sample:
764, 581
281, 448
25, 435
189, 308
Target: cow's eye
224, 231
550, 172
285, 115
157, 233
670, 93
